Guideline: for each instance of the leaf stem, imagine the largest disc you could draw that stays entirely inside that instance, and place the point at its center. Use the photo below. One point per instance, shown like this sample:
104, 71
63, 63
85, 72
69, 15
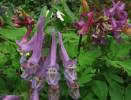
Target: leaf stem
79, 46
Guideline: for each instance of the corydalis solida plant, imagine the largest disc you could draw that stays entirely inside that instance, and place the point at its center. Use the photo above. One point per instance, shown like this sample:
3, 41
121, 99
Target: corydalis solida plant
38, 69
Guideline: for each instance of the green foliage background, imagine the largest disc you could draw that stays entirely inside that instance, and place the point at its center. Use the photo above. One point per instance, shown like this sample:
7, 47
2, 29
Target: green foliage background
104, 72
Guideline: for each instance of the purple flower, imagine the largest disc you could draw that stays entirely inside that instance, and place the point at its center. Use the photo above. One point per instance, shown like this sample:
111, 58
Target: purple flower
11, 97
34, 95
117, 18
37, 46
85, 22
52, 75
38, 81
31, 65
70, 70
26, 36
54, 93
26, 47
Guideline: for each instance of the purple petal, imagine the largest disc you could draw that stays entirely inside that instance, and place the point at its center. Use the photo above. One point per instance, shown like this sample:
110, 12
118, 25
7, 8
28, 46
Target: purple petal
117, 36
11, 97
52, 75
74, 90
53, 51
25, 37
37, 46
34, 95
53, 94
26, 47
63, 51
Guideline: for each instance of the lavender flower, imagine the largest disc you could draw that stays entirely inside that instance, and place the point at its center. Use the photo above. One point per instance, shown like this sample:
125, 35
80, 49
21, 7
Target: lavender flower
52, 75
38, 80
34, 95
117, 18
37, 46
69, 73
54, 93
11, 97
52, 70
31, 65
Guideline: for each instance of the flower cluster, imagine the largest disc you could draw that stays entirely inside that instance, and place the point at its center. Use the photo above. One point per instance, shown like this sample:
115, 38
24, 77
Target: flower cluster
38, 69
117, 18
112, 22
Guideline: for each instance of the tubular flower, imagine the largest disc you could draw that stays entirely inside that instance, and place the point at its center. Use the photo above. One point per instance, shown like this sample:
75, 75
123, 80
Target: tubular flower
11, 97
54, 93
38, 80
30, 65
52, 75
37, 46
34, 95
85, 22
117, 18
70, 70
102, 27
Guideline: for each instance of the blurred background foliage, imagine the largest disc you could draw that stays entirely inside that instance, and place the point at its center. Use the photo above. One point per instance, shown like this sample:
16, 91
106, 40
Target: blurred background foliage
104, 71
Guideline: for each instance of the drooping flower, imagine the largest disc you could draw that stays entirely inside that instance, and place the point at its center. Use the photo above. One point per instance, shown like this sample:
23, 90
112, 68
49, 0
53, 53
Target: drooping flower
37, 45
52, 74
30, 66
38, 81
54, 93
70, 70
11, 97
85, 22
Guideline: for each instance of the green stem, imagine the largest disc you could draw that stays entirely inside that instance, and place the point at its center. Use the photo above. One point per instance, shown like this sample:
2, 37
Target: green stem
79, 45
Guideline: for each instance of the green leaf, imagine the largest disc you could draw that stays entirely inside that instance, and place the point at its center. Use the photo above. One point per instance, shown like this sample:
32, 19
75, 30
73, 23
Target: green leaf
128, 93
119, 51
12, 33
126, 65
88, 57
100, 89
116, 91
85, 76
90, 96
71, 17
